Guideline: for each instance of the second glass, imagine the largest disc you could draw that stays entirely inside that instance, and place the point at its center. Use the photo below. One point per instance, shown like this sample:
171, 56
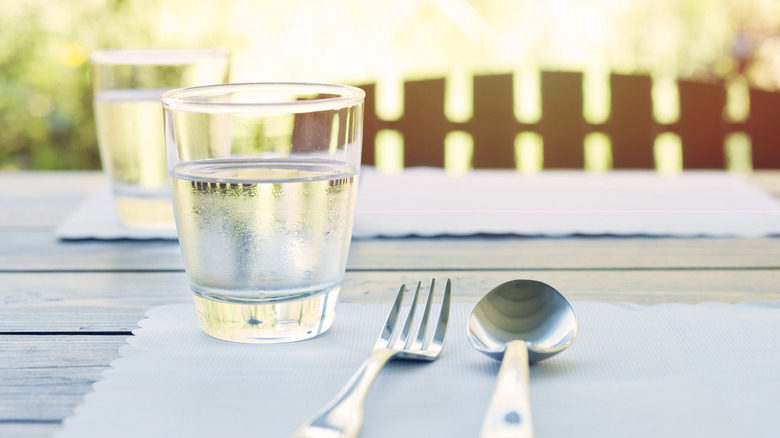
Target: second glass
127, 87
264, 180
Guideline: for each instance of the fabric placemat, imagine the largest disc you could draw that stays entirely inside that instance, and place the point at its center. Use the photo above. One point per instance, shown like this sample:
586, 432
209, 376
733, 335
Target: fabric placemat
98, 218
429, 202
425, 202
671, 370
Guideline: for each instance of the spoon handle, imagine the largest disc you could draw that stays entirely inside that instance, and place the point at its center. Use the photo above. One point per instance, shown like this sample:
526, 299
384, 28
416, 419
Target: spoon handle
509, 412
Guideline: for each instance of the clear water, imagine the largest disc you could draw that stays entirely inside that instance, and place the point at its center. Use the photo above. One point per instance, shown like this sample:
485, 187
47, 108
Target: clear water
267, 233
132, 149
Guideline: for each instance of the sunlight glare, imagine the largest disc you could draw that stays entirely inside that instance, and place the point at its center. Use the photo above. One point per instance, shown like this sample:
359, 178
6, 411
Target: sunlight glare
458, 152
527, 94
666, 100
737, 107
459, 96
389, 151
390, 97
596, 93
598, 152
738, 152
668, 153
529, 153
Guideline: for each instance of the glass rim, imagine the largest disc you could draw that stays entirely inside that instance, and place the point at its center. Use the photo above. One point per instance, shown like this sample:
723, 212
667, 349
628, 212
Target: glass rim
117, 56
182, 99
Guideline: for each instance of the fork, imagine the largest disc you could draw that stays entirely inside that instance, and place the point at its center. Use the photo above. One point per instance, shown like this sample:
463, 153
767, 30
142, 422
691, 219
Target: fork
343, 416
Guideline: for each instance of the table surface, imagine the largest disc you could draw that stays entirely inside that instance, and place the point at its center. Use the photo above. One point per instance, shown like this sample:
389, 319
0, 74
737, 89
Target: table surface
67, 307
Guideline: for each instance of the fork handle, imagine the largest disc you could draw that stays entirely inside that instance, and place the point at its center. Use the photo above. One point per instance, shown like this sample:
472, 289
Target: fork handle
343, 416
509, 411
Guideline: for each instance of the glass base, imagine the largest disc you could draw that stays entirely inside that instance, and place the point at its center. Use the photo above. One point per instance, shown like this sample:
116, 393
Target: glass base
269, 322
150, 213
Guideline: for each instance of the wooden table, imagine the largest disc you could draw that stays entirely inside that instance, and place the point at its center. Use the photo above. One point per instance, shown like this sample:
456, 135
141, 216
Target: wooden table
67, 307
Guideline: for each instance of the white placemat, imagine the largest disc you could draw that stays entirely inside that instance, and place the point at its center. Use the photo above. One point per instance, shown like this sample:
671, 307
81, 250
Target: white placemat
425, 202
429, 202
98, 218
672, 370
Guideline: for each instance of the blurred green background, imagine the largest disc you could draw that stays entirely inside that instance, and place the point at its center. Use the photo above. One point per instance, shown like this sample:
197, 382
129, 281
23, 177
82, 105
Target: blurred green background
45, 91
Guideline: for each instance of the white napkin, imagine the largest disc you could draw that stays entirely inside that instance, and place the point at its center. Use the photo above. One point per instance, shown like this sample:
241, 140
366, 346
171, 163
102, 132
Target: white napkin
671, 370
98, 218
430, 202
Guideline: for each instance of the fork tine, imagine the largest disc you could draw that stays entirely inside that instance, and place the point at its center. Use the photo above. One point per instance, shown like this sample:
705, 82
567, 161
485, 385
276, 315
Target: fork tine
402, 339
389, 327
444, 314
423, 329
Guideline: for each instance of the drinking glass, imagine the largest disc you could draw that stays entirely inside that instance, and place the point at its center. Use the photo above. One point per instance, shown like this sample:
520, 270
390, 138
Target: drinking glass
127, 86
264, 178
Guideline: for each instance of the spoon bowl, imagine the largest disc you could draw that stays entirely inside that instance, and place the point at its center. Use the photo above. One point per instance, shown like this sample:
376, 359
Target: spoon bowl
518, 322
526, 310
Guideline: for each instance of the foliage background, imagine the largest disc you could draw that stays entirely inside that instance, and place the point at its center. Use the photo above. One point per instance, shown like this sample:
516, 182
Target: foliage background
45, 91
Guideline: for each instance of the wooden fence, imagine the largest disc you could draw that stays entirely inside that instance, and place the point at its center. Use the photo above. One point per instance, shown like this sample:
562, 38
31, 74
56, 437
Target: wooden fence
631, 126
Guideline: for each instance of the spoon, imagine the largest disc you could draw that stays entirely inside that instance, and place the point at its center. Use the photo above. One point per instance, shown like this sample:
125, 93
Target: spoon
518, 322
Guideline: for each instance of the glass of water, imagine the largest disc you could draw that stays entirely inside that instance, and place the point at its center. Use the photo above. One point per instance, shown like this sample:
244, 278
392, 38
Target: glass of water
127, 86
264, 178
